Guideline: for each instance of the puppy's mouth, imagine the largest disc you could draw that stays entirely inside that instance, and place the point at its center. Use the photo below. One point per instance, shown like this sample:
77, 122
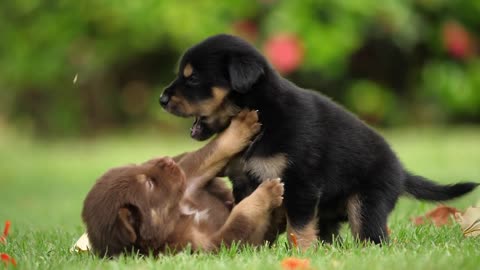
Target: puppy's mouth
200, 130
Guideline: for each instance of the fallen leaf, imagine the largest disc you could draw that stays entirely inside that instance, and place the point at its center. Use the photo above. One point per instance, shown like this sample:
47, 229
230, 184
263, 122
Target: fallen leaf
292, 263
469, 221
6, 259
439, 216
3, 238
82, 244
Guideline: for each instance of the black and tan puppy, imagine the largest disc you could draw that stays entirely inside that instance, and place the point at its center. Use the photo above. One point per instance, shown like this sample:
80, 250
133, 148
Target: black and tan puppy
335, 167
160, 205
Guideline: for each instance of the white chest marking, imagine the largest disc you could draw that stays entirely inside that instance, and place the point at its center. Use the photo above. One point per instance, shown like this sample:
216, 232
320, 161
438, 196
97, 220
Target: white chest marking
267, 168
198, 215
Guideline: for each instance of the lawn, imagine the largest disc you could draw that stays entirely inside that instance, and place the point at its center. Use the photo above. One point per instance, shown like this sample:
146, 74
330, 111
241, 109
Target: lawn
44, 183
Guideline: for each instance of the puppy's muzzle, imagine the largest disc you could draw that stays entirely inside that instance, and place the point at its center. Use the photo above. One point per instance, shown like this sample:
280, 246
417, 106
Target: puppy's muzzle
164, 99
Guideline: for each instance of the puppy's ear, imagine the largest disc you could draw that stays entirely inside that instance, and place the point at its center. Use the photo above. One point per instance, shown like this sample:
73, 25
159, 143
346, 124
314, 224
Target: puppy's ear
127, 225
244, 72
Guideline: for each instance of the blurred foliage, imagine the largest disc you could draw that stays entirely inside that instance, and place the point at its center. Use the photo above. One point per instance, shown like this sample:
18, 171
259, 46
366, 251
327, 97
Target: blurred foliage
389, 61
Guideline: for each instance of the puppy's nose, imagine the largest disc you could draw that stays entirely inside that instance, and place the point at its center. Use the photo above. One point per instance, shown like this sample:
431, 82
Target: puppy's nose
164, 99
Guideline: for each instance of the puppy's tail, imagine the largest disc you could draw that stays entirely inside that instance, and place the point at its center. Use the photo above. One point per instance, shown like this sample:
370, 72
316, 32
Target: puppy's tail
425, 189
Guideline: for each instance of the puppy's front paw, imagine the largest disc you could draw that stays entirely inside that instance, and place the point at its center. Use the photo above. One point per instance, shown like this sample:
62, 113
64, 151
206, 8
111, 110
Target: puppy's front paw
168, 166
242, 128
273, 189
245, 124
166, 162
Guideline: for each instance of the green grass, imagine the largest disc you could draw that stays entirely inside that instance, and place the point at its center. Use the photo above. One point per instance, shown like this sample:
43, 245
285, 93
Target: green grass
43, 185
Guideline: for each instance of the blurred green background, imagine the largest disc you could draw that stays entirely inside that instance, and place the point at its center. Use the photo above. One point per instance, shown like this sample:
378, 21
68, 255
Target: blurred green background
76, 68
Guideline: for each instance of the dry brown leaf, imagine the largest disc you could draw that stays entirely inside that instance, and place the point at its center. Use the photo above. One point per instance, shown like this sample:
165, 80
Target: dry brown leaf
440, 216
469, 221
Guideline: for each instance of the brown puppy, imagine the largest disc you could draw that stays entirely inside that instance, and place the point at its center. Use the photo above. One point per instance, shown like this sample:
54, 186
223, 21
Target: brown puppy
169, 204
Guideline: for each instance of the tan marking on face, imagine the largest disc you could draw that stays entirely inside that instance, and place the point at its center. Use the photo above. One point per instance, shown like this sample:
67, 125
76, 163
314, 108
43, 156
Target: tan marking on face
306, 236
211, 105
208, 107
181, 104
354, 207
187, 70
267, 167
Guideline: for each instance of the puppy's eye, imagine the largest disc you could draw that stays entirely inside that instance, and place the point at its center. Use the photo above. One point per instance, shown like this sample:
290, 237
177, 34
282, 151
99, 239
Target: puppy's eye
193, 79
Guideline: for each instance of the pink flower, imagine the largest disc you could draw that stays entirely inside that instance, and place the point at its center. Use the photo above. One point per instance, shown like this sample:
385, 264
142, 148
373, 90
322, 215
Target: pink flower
285, 52
457, 40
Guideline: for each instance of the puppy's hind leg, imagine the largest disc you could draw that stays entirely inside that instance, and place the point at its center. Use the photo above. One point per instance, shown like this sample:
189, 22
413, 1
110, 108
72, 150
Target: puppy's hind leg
367, 215
302, 220
249, 220
328, 230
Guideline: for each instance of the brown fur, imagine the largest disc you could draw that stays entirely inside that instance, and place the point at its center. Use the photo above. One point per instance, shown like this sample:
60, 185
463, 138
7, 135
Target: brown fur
354, 208
158, 205
219, 111
305, 235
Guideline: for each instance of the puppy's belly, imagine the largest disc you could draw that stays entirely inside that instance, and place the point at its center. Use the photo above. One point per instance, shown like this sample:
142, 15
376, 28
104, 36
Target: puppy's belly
208, 212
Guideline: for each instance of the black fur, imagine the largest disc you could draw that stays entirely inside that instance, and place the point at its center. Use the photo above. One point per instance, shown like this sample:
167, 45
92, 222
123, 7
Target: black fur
423, 189
332, 154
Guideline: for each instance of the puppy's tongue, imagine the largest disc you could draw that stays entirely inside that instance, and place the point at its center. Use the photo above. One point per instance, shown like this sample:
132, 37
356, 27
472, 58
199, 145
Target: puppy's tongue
197, 128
